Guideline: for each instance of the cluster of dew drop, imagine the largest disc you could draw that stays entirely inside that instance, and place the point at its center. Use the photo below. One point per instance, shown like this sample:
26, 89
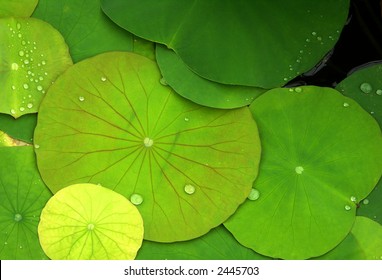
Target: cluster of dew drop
368, 89
311, 40
28, 62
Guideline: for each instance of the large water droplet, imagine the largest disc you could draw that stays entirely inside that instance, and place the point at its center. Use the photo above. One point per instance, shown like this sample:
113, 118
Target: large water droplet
39, 88
298, 89
379, 91
189, 189
21, 53
299, 169
18, 217
365, 201
148, 142
254, 194
15, 66
136, 199
366, 87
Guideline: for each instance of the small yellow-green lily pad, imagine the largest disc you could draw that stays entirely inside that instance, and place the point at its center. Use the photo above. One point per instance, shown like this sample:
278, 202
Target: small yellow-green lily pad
88, 221
17, 8
33, 55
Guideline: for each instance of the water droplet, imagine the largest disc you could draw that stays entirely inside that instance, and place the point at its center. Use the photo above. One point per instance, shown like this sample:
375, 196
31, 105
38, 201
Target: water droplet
379, 91
163, 82
347, 207
148, 142
23, 43
25, 86
189, 189
307, 40
314, 33
366, 87
298, 89
136, 199
21, 53
41, 78
22, 109
30, 105
43, 62
285, 79
20, 246
13, 87
18, 25
254, 194
103, 79
346, 104
19, 35
319, 38
36, 146
186, 119
26, 61
365, 201
39, 88
353, 199
299, 169
15, 66
90, 227
18, 217
81, 98
13, 111
5, 243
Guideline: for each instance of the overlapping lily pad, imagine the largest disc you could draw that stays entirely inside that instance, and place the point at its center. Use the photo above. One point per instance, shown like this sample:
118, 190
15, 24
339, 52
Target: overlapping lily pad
21, 128
87, 30
22, 196
218, 244
33, 55
109, 120
199, 90
7, 141
87, 221
238, 42
17, 8
364, 242
321, 154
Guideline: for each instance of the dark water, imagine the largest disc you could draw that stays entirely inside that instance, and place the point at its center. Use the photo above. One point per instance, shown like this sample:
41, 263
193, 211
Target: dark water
360, 43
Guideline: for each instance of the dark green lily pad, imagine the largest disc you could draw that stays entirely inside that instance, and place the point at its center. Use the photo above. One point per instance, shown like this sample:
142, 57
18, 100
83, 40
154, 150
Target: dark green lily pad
365, 87
17, 8
21, 128
321, 153
89, 222
22, 196
33, 55
218, 244
241, 42
87, 30
200, 90
171, 157
364, 242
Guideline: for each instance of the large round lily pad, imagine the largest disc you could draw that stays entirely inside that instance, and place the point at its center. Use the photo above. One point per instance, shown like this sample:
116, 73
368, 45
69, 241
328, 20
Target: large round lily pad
17, 8
109, 120
321, 154
90, 222
238, 42
218, 244
22, 197
33, 55
199, 90
87, 30
364, 242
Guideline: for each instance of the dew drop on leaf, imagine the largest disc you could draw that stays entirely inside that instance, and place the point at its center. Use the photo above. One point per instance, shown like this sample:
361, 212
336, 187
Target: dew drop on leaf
189, 189
366, 87
136, 199
254, 194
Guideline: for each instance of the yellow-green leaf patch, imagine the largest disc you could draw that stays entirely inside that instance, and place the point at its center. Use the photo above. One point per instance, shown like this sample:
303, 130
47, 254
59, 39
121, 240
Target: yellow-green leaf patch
17, 8
90, 222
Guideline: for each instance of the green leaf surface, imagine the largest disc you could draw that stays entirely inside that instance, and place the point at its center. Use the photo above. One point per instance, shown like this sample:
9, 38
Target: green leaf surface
240, 42
199, 90
22, 197
21, 128
7, 141
90, 222
321, 153
87, 30
218, 244
17, 8
170, 156
33, 54
364, 242
365, 87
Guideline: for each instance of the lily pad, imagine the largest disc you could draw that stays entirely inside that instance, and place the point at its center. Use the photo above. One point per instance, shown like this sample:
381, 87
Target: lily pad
218, 244
33, 55
238, 42
17, 8
21, 128
90, 222
365, 87
22, 196
364, 242
199, 90
87, 30
171, 157
7, 141
321, 153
